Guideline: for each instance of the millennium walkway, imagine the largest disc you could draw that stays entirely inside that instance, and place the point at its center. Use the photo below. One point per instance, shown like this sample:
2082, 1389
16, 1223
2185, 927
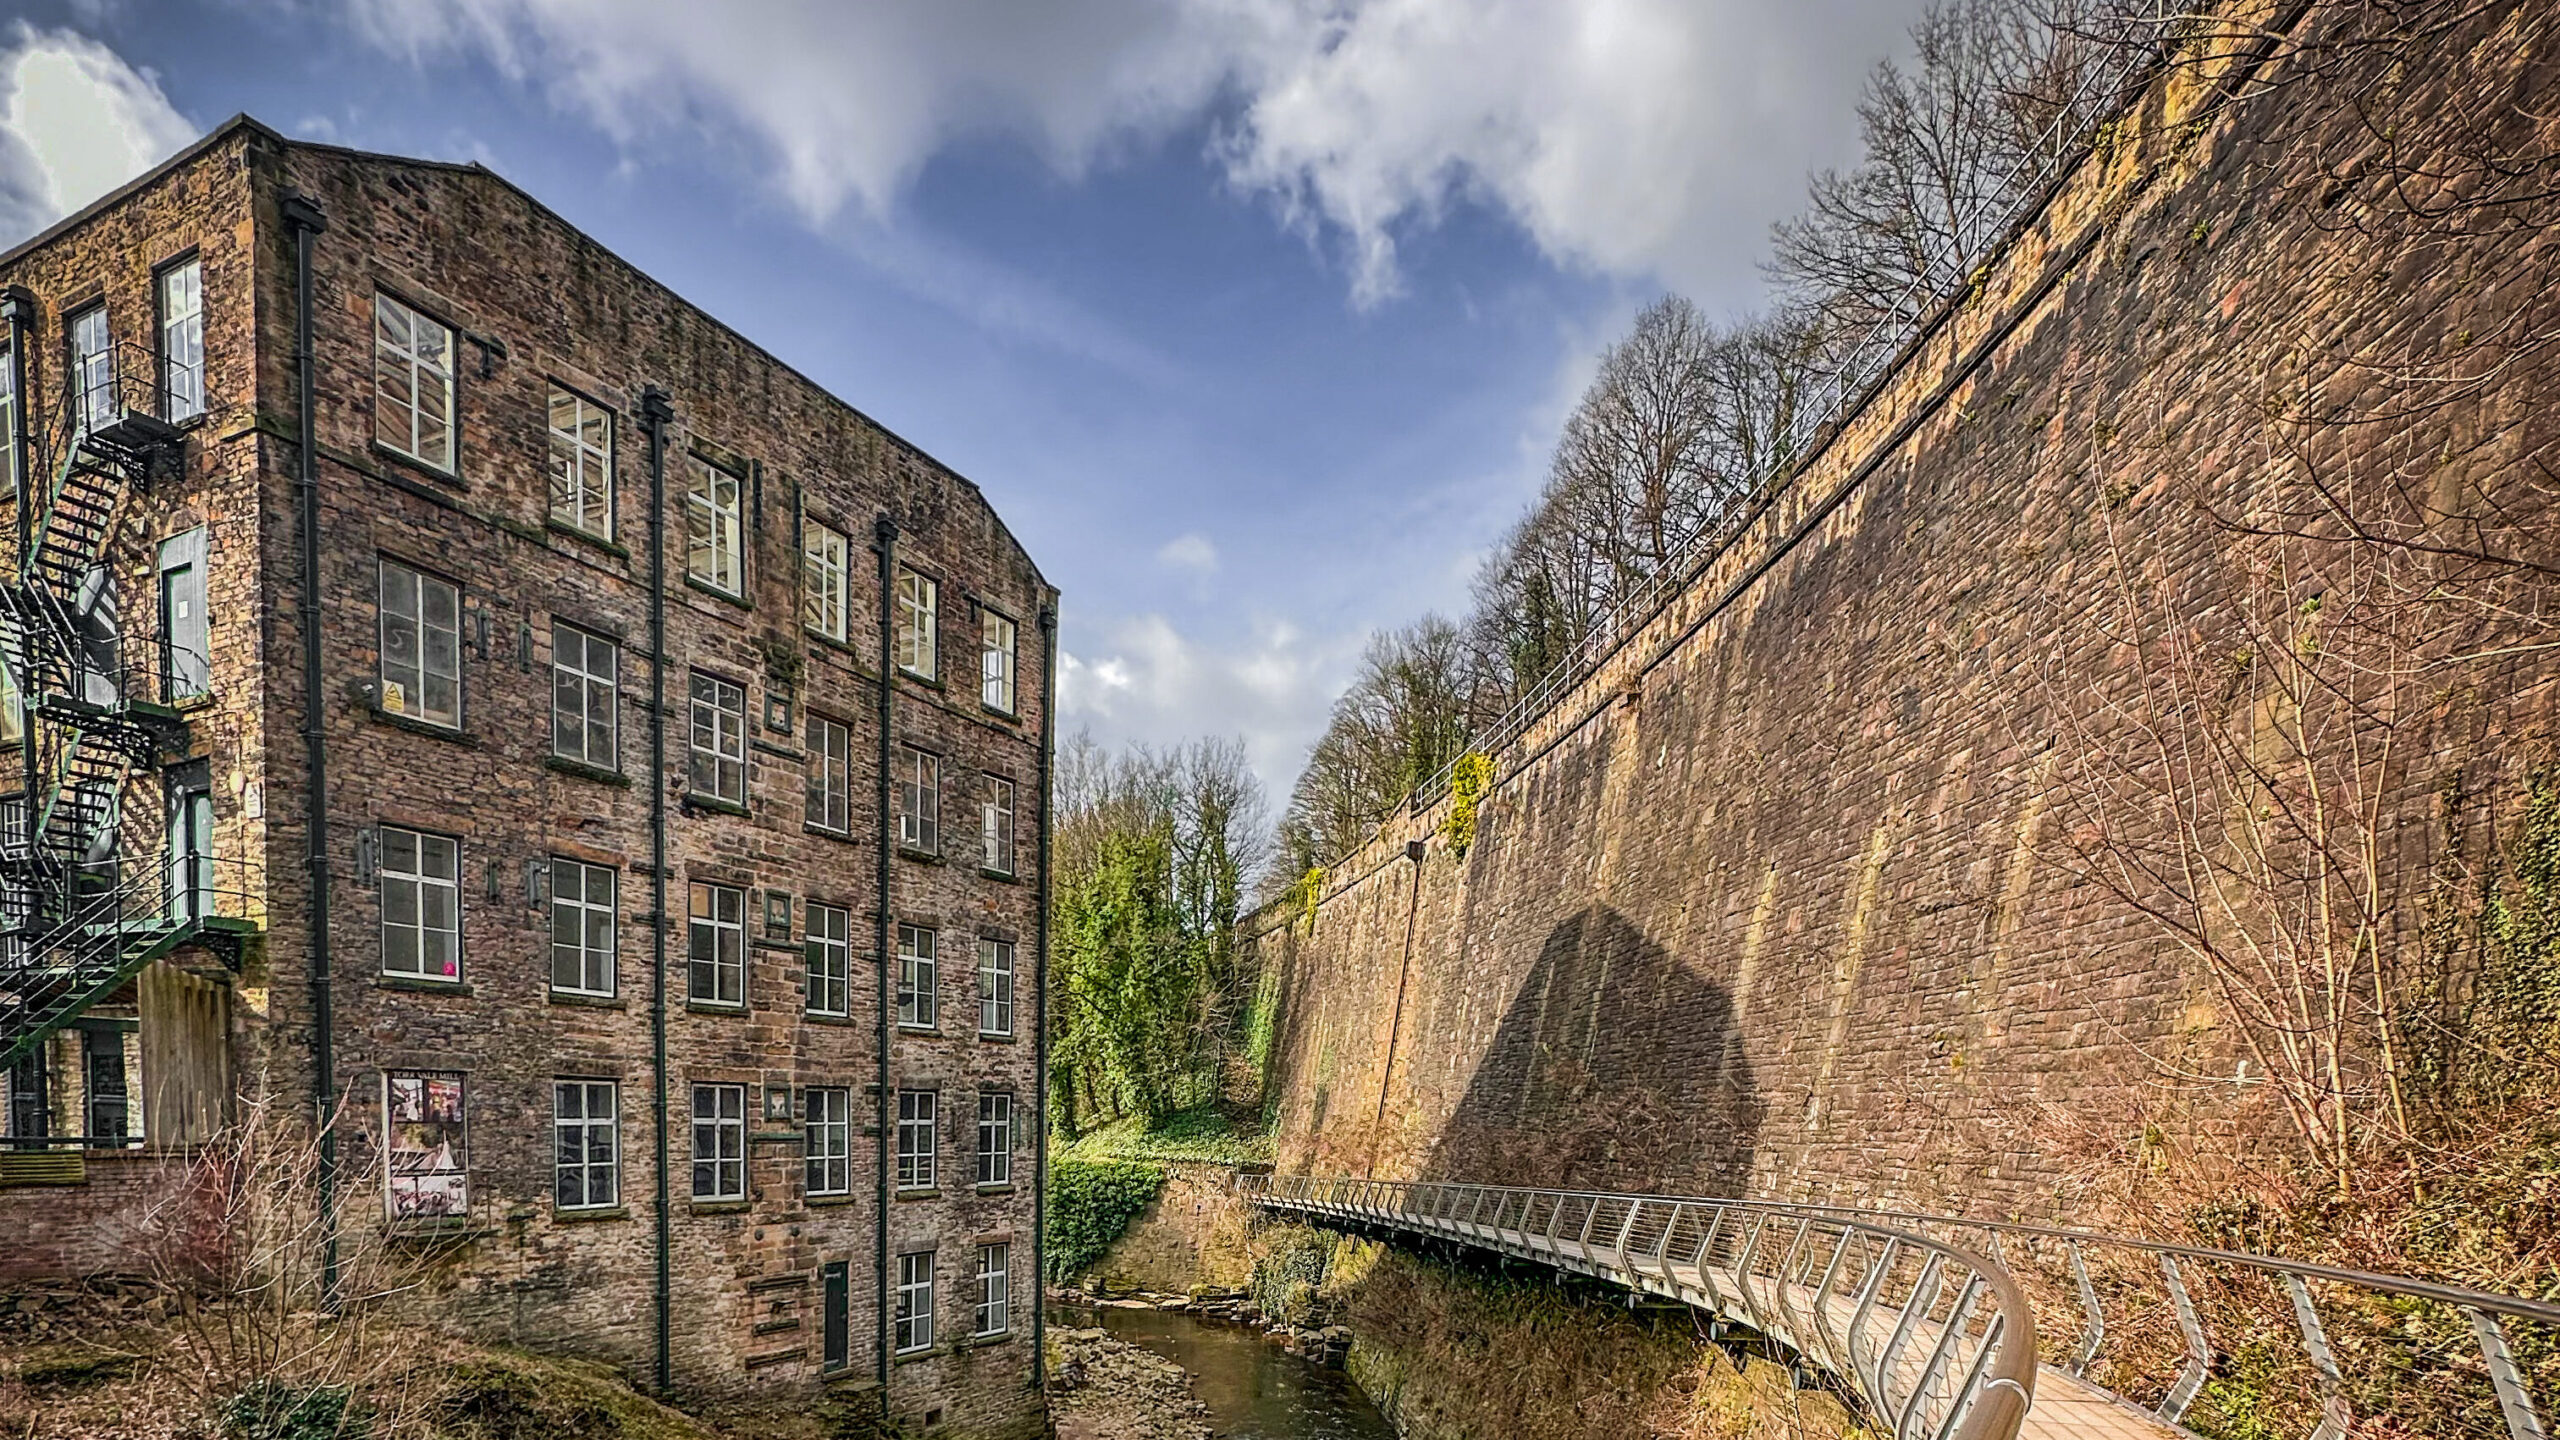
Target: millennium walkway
1930, 1322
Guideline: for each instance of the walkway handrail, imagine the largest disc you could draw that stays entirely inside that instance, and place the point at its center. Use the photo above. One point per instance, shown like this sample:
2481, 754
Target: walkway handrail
1937, 1341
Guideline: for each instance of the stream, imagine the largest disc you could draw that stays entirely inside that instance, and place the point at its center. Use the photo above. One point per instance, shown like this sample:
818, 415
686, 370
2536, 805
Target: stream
1254, 1389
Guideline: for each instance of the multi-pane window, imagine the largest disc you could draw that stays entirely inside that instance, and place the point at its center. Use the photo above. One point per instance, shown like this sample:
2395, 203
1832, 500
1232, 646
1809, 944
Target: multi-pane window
829, 951
8, 418
824, 579
421, 646
995, 986
715, 550
830, 1141
995, 661
719, 1142
586, 1166
995, 1299
719, 739
995, 824
915, 977
915, 1139
919, 800
93, 370
412, 383
915, 1302
182, 341
917, 601
421, 905
830, 776
581, 463
582, 915
426, 1160
995, 1139
586, 676
716, 953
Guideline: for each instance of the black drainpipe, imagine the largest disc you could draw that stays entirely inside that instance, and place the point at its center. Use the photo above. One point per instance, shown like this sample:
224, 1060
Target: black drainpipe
657, 413
18, 310
884, 540
1413, 851
303, 219
1040, 983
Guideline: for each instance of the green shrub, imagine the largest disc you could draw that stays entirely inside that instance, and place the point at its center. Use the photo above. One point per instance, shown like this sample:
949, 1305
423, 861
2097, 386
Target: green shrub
1090, 1203
273, 1410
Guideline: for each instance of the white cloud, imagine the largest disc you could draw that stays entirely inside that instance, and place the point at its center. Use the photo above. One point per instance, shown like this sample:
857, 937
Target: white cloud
76, 121
1650, 138
1192, 552
1141, 679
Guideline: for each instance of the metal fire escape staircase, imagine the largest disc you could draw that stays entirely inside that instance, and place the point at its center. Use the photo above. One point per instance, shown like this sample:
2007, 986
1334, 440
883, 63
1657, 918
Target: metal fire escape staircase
78, 919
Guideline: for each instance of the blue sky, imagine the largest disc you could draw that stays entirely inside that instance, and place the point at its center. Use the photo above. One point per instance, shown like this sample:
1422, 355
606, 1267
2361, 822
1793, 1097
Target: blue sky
1255, 318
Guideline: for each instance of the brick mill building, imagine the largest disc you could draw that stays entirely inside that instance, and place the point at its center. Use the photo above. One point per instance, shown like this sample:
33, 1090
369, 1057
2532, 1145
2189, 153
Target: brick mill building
668, 942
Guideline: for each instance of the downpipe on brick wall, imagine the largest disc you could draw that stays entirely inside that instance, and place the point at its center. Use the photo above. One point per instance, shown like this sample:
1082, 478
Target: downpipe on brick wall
304, 219
1413, 851
884, 541
657, 413
1040, 1006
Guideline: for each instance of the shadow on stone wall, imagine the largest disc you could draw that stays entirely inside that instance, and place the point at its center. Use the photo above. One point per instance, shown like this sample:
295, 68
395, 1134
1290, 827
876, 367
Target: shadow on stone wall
1616, 1067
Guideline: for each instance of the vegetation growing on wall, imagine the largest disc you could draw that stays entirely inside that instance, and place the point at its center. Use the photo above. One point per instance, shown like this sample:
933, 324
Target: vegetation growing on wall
1090, 1203
1469, 778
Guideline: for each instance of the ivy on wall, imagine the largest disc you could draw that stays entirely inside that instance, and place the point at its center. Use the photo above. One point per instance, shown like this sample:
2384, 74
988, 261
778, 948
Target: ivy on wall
1469, 779
1090, 1204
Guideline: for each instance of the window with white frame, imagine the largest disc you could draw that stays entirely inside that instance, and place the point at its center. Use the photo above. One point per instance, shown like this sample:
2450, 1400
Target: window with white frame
916, 944
719, 769
829, 952
181, 299
995, 1139
715, 544
421, 646
995, 986
995, 1286
421, 905
995, 823
830, 776
918, 598
915, 1302
719, 1142
586, 1166
829, 1149
995, 662
412, 383
93, 370
582, 927
716, 949
915, 1138
919, 800
425, 1150
825, 575
586, 680
8, 418
581, 463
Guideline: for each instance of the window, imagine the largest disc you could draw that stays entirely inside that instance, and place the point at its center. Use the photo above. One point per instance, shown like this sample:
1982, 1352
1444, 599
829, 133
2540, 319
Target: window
102, 1061
93, 370
995, 1139
426, 1165
995, 1303
412, 383
995, 824
916, 602
830, 1147
421, 905
835, 1315
182, 341
421, 646
8, 418
829, 954
186, 643
719, 1142
830, 776
581, 463
995, 661
823, 575
586, 1149
719, 739
586, 675
915, 1139
995, 987
582, 915
919, 800
717, 962
715, 553
915, 1302
915, 977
